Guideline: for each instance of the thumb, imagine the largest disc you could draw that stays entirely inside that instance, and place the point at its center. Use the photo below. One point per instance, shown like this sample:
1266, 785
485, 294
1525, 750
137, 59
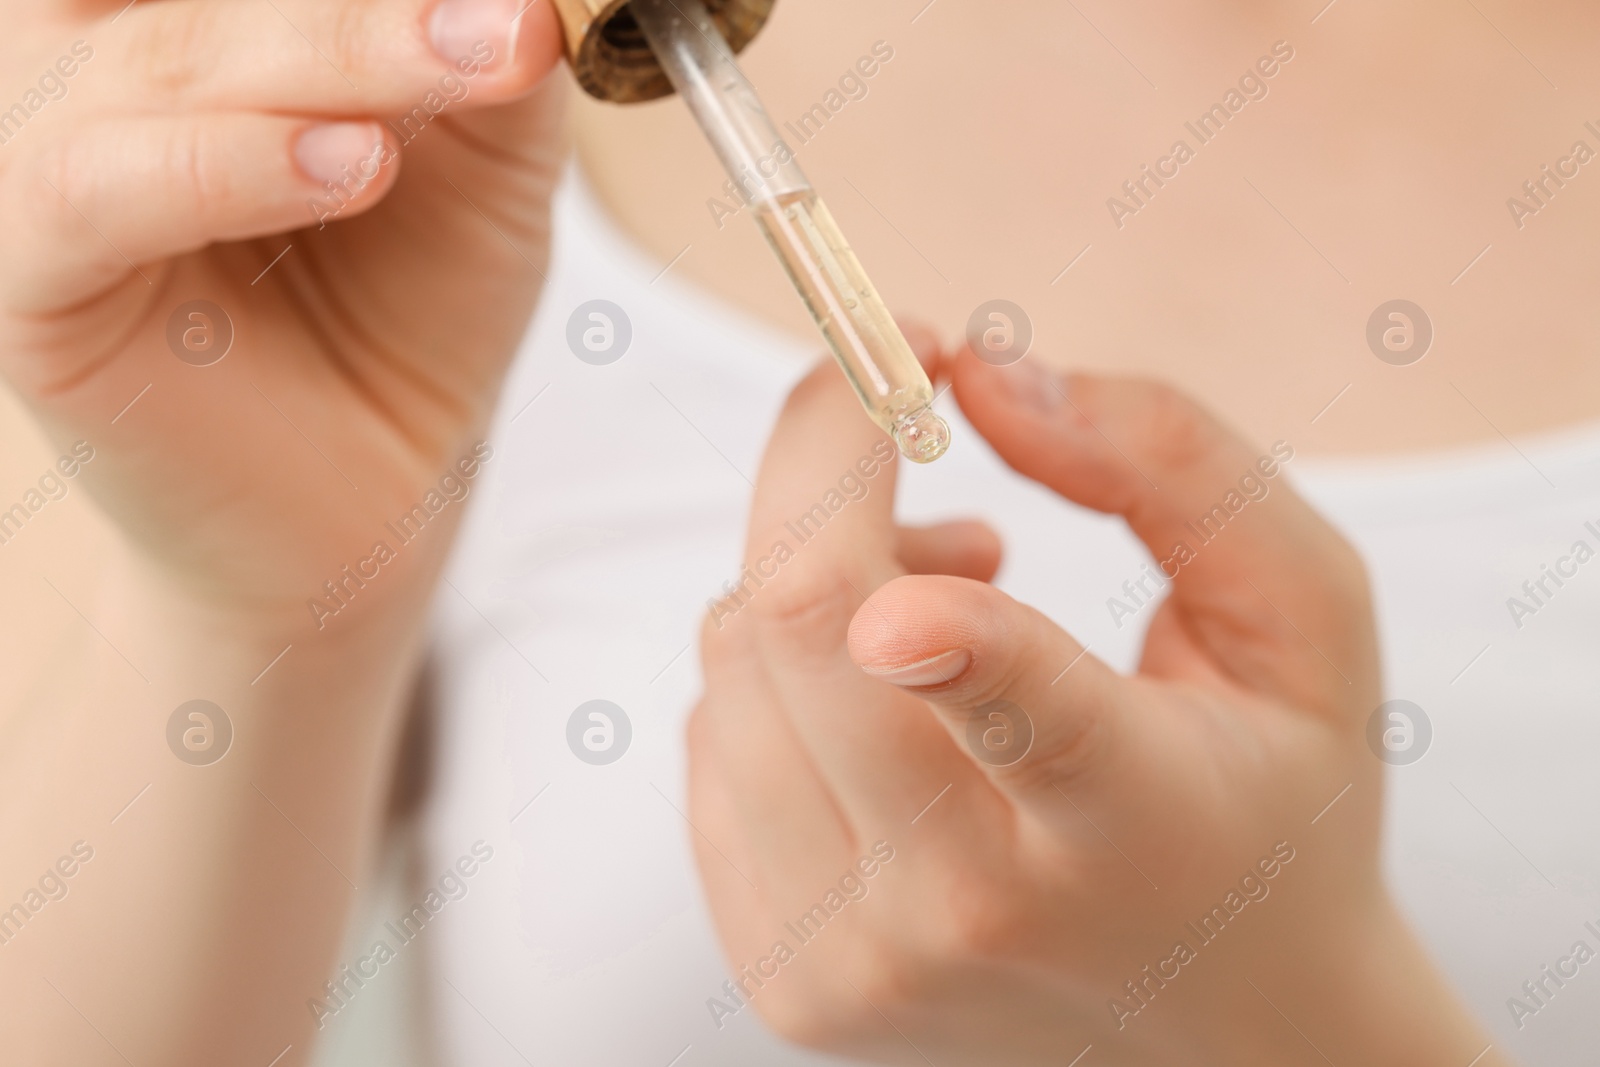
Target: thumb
1025, 700
1268, 593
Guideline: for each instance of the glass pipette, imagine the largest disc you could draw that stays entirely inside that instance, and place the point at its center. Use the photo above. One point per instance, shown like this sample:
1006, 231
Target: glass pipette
797, 224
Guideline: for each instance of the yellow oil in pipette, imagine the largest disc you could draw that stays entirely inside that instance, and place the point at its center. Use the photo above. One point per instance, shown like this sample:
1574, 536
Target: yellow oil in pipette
869, 347
863, 336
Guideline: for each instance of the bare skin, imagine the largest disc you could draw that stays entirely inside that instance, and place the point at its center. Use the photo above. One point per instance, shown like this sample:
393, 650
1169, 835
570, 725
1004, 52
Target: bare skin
1005, 928
1391, 142
364, 367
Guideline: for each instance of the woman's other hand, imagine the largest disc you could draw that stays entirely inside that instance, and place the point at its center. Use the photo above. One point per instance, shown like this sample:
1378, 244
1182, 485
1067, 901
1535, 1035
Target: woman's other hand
1127, 862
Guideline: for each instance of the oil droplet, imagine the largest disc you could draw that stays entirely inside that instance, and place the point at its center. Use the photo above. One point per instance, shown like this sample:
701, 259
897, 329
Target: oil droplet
922, 436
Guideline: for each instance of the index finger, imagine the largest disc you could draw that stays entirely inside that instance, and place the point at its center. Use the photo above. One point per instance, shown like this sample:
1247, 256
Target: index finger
822, 538
414, 58
1267, 588
824, 499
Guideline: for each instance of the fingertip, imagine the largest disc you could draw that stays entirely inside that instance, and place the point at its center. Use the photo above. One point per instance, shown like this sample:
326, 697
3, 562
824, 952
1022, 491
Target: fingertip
868, 638
328, 151
980, 657
509, 45
1042, 424
823, 391
914, 620
347, 166
826, 465
1026, 388
539, 39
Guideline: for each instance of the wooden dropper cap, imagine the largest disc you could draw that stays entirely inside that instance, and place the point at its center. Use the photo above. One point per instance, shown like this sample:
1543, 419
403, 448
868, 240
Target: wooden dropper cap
609, 54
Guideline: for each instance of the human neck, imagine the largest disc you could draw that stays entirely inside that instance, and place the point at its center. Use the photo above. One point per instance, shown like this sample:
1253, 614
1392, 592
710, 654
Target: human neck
1248, 277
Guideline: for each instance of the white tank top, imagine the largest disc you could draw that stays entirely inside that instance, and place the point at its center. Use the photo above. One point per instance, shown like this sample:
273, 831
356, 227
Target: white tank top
613, 508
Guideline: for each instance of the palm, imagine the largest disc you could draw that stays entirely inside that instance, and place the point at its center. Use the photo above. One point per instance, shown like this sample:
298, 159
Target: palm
362, 361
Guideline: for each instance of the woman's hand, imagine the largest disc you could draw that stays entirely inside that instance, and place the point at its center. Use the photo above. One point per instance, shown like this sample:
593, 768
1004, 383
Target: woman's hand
1148, 864
163, 153
192, 146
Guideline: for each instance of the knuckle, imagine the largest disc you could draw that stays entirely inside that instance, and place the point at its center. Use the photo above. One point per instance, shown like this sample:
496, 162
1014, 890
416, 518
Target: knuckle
175, 53
806, 600
65, 177
193, 166
1063, 757
349, 38
980, 921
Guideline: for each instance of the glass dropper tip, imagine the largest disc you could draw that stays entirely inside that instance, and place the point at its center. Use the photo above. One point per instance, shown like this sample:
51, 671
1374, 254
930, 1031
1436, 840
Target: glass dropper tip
922, 436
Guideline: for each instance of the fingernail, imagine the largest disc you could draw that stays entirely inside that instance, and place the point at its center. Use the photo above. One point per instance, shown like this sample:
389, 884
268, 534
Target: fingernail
475, 31
945, 667
326, 152
1030, 385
